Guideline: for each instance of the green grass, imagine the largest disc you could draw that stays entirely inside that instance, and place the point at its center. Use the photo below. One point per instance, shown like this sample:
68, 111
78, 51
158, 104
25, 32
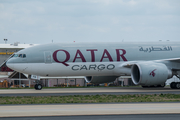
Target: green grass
90, 99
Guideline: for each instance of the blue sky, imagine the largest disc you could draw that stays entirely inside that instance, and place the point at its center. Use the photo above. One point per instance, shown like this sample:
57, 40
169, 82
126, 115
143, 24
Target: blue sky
41, 21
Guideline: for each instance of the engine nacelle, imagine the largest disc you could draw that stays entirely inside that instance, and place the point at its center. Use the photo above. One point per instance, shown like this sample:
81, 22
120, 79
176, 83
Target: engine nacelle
100, 79
148, 73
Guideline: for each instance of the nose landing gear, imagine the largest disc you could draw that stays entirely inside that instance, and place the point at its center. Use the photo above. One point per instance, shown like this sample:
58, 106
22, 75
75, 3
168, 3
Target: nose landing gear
38, 86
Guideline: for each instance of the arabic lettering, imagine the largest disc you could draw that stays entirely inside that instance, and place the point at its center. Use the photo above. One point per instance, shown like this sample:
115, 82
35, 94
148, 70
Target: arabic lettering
150, 49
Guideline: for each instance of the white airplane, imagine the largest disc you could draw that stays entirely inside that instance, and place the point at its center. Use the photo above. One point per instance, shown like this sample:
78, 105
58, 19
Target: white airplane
149, 64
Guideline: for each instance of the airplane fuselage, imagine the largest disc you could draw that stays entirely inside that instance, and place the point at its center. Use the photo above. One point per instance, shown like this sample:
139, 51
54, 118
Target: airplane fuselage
98, 59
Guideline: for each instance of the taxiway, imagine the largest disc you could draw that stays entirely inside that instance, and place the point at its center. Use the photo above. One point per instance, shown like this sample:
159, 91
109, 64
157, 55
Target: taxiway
102, 117
88, 109
95, 111
87, 91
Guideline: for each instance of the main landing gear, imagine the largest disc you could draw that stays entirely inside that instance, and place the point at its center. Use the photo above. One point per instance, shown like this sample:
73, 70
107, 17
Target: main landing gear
38, 86
175, 85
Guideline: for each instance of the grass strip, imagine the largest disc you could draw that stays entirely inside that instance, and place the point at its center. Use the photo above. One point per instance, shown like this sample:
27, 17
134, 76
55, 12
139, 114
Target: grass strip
90, 99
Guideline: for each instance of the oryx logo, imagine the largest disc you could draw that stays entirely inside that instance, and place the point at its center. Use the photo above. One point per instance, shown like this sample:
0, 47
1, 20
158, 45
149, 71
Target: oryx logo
153, 73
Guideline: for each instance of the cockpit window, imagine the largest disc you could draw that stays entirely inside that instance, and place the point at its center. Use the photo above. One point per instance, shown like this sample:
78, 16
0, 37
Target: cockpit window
24, 55
20, 55
16, 55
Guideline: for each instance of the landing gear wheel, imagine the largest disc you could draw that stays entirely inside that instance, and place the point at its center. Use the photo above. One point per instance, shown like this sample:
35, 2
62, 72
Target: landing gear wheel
35, 86
38, 86
173, 85
178, 85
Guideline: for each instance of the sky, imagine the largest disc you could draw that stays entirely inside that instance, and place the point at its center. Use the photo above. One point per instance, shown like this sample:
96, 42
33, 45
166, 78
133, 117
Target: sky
59, 21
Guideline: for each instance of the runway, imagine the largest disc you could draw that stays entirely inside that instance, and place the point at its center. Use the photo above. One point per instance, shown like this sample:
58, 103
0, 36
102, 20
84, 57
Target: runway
105, 111
88, 109
87, 91
103, 117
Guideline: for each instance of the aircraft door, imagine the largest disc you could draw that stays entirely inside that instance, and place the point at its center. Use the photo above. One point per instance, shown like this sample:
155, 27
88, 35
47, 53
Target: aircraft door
47, 57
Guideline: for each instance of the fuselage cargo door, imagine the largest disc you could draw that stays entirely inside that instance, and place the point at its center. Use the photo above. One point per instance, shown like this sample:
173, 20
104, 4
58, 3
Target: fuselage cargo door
47, 57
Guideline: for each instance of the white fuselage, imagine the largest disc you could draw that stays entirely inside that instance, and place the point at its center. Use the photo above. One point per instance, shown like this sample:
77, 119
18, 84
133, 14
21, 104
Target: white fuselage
104, 59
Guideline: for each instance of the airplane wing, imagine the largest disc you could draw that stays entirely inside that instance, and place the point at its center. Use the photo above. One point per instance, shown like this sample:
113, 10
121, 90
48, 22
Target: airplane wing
131, 63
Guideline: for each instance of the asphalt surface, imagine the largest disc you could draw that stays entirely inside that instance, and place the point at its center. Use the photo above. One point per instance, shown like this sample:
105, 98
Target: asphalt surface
66, 94
87, 91
103, 117
88, 109
127, 111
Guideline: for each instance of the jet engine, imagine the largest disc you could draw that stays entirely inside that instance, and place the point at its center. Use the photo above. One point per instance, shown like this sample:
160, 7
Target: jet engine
100, 79
149, 73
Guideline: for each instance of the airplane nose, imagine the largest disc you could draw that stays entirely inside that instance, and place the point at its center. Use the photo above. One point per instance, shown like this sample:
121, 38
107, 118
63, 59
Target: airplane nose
10, 64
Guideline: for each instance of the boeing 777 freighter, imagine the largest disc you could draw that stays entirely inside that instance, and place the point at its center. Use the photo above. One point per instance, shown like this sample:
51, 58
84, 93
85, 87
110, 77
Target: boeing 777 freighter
149, 64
